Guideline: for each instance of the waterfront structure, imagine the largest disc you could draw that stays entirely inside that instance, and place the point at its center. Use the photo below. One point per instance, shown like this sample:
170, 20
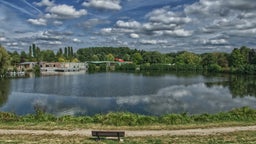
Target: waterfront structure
26, 66
53, 66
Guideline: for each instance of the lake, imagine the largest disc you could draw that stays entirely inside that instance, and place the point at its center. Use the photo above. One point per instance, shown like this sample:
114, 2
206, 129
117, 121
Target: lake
143, 93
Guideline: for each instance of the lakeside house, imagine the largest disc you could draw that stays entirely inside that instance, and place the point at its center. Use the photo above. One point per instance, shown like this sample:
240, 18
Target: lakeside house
26, 66
53, 66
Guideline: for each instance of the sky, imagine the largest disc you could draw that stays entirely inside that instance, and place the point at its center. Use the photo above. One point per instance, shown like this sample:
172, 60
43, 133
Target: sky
197, 26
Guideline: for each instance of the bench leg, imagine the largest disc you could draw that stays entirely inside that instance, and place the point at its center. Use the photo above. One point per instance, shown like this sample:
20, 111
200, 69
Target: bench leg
98, 138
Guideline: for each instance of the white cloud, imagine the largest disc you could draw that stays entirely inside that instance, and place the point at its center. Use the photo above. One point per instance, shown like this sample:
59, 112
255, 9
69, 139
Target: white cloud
213, 41
3, 39
75, 40
47, 3
158, 26
134, 35
104, 4
39, 21
129, 25
240, 4
153, 42
163, 21
106, 30
166, 16
57, 22
64, 12
220, 7
178, 32
93, 22
55, 42
12, 44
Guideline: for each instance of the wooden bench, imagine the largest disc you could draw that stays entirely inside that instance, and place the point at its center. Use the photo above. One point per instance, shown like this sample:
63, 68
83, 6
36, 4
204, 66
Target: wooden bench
99, 134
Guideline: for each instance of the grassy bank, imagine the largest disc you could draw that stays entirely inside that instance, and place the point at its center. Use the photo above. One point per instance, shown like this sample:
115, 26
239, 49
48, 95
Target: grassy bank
126, 120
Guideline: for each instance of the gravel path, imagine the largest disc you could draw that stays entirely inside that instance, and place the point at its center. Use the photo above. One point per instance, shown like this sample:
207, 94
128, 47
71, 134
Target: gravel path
131, 133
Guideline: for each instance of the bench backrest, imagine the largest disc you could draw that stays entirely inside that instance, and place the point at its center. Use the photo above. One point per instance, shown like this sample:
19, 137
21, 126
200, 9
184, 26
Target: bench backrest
108, 133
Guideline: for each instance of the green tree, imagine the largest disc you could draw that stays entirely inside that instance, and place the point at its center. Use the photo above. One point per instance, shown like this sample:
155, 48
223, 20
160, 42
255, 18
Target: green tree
213, 59
153, 57
95, 58
61, 59
15, 58
137, 58
34, 51
48, 55
237, 59
23, 56
38, 54
110, 57
4, 60
30, 52
66, 52
127, 57
59, 53
188, 58
252, 56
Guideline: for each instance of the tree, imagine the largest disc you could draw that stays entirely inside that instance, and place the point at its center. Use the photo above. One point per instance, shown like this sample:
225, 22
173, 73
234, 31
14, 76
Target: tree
237, 59
59, 53
216, 58
153, 57
95, 58
127, 57
66, 52
15, 58
61, 59
38, 54
137, 58
48, 55
23, 56
252, 56
30, 52
110, 57
4, 60
188, 58
33, 50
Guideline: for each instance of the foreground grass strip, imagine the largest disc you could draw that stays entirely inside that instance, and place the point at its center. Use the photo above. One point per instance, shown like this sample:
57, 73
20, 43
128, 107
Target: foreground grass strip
243, 137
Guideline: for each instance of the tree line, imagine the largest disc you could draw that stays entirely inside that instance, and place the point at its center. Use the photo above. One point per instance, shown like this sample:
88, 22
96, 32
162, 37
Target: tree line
240, 60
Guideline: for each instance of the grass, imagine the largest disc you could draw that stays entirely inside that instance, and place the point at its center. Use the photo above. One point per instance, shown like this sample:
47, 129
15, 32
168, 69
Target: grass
235, 137
244, 137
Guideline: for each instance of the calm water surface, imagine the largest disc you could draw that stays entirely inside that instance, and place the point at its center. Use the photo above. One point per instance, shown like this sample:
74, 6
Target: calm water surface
88, 94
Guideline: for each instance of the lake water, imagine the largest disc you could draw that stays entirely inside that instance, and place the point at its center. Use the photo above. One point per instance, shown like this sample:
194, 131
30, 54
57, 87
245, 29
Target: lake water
158, 94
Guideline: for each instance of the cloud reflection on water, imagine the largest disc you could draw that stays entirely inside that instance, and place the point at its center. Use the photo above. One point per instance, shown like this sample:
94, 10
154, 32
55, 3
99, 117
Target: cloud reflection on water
194, 99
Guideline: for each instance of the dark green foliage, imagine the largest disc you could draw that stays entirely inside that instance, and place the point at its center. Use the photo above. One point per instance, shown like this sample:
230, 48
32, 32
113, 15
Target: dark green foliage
125, 67
87, 54
8, 117
173, 119
240, 60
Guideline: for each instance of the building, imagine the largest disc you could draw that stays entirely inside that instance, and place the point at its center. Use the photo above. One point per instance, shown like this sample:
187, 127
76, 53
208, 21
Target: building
26, 66
53, 66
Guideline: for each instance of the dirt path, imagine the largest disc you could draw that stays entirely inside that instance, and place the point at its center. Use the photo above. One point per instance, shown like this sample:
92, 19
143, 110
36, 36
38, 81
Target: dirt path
129, 133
